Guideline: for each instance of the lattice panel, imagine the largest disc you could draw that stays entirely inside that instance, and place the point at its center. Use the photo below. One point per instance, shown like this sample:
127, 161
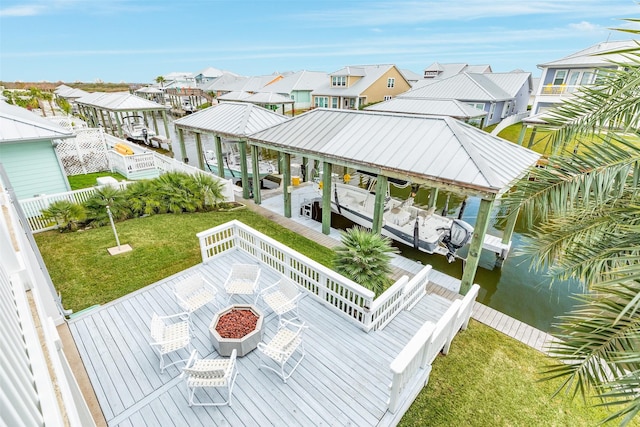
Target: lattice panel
86, 153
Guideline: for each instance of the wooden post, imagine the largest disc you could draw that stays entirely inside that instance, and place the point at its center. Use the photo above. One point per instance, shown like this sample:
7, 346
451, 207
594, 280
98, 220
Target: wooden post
533, 135
155, 123
279, 163
119, 124
199, 149
326, 198
183, 149
255, 180
244, 174
378, 207
433, 198
286, 187
507, 235
305, 169
219, 158
166, 127
104, 123
475, 248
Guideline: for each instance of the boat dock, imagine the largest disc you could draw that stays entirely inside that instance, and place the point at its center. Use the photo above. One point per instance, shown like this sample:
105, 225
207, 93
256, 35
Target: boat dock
440, 283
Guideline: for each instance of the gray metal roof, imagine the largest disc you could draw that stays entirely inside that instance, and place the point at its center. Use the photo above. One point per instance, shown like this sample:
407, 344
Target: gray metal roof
428, 106
370, 73
235, 95
511, 82
465, 87
119, 101
451, 69
269, 98
18, 124
594, 56
428, 149
230, 119
301, 81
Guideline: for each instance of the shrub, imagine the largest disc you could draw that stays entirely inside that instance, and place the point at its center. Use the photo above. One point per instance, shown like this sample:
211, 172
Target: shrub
66, 214
97, 206
365, 258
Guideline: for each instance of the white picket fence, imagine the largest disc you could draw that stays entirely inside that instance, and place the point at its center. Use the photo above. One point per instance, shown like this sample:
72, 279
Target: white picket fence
413, 363
340, 294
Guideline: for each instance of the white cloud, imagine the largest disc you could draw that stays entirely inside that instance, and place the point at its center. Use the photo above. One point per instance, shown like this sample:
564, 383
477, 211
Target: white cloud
26, 10
585, 26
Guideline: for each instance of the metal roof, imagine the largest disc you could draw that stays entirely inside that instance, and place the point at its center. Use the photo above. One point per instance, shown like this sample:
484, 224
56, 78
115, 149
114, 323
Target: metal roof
301, 80
269, 98
149, 89
429, 149
595, 56
235, 95
511, 82
119, 101
465, 86
230, 119
428, 106
18, 124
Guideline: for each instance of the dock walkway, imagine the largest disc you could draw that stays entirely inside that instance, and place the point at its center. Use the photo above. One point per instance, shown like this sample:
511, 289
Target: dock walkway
441, 284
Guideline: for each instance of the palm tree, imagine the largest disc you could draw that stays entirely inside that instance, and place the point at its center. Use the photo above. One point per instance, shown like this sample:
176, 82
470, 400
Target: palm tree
161, 80
67, 215
586, 212
365, 258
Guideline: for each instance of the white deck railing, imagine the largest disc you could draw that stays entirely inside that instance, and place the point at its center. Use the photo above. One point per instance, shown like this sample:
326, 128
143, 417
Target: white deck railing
402, 295
34, 206
128, 165
413, 363
337, 292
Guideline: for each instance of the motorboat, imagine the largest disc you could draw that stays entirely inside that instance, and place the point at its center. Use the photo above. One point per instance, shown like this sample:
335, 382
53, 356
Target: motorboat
135, 129
403, 221
232, 165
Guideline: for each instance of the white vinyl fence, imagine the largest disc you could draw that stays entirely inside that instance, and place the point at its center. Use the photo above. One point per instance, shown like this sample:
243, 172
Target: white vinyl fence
413, 363
342, 295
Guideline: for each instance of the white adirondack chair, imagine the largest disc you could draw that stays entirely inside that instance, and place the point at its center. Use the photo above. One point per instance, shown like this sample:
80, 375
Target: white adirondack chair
282, 297
194, 292
210, 373
282, 347
242, 280
170, 334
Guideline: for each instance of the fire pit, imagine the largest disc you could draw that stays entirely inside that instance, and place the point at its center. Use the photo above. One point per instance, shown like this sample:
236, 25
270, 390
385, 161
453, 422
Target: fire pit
236, 327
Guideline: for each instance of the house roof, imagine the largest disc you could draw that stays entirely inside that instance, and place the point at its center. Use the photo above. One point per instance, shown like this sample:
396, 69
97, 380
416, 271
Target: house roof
593, 55
423, 148
428, 106
224, 83
119, 101
236, 95
18, 124
209, 72
300, 81
410, 75
269, 98
465, 86
511, 82
451, 69
369, 75
230, 119
149, 89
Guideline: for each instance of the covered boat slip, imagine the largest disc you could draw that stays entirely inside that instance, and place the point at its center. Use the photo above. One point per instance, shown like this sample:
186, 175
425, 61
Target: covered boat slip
343, 380
437, 152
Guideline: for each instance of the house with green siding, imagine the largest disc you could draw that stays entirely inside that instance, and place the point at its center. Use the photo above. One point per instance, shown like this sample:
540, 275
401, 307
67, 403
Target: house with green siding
27, 152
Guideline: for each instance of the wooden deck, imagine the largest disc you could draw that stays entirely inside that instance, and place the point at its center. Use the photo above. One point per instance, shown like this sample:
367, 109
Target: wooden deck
342, 381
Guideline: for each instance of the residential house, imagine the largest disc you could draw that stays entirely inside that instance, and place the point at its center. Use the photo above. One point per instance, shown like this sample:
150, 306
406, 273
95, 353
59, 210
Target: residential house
298, 87
353, 87
207, 75
562, 77
410, 76
498, 94
229, 82
443, 71
27, 152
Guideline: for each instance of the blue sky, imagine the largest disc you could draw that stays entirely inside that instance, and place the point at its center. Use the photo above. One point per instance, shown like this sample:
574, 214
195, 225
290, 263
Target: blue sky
137, 40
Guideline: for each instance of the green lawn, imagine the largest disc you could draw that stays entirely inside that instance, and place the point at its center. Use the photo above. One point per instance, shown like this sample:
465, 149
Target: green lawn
488, 379
78, 182
85, 274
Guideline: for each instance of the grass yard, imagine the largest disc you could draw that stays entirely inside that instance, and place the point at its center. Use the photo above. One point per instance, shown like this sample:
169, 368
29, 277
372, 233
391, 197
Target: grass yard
489, 379
85, 274
78, 182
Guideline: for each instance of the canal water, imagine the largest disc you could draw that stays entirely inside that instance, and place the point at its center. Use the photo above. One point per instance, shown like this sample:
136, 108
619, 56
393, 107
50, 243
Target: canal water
529, 296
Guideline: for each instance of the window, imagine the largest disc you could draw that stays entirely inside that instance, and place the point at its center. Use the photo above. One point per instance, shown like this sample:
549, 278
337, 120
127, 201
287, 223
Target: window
321, 101
492, 110
478, 105
387, 97
391, 82
334, 102
558, 79
338, 81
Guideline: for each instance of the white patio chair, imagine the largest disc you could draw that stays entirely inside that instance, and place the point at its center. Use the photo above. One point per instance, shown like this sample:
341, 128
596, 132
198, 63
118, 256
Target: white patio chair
282, 297
194, 292
282, 347
210, 373
170, 334
242, 280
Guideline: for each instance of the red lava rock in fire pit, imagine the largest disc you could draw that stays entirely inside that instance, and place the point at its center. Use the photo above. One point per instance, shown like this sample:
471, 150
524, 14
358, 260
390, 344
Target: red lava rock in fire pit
237, 323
